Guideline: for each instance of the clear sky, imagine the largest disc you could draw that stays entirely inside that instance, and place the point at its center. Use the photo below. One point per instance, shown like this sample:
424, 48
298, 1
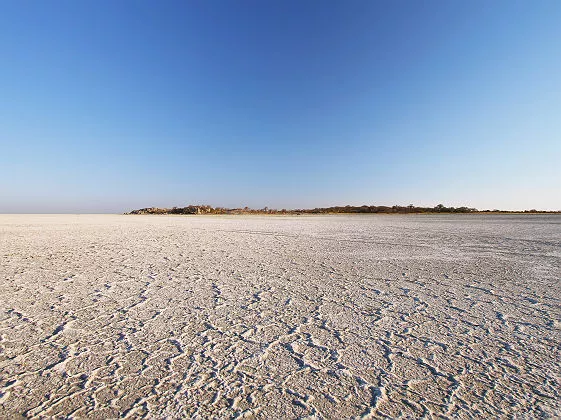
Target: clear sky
106, 106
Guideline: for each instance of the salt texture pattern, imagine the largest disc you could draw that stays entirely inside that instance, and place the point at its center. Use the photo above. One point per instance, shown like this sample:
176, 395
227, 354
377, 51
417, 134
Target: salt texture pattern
280, 317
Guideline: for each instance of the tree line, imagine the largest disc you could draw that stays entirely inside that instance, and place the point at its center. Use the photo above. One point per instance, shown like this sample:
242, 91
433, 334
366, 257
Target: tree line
206, 209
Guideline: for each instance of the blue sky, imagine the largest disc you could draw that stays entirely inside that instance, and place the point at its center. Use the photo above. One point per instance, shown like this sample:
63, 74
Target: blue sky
107, 106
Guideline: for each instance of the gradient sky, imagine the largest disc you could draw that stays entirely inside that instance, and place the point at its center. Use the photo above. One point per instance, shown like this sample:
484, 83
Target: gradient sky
106, 106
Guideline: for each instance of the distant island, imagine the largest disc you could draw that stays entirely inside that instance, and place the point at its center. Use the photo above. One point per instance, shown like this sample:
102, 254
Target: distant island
440, 208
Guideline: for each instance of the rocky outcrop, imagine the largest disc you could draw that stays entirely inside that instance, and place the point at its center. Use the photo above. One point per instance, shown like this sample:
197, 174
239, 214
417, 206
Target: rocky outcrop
175, 210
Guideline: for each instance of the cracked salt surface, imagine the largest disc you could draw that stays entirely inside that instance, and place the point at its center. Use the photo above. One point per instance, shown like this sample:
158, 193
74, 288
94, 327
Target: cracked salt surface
280, 317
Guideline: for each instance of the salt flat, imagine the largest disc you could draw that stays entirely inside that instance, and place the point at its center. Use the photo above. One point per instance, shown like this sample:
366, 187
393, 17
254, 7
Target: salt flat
105, 316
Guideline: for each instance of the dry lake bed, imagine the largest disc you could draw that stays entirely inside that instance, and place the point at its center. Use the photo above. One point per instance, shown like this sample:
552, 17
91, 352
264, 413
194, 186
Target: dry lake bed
106, 316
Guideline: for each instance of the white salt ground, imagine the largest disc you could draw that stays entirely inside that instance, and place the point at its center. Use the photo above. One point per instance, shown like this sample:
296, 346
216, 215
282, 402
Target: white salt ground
280, 317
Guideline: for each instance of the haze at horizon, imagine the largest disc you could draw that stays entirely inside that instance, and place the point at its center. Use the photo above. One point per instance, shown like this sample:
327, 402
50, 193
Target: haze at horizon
111, 106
